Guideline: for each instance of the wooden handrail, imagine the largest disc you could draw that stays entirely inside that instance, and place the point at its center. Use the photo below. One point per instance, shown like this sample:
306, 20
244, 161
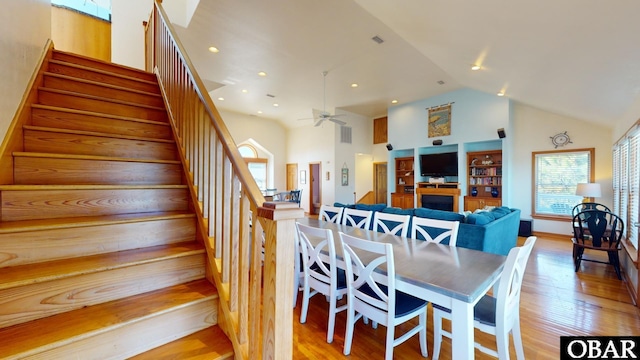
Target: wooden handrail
249, 241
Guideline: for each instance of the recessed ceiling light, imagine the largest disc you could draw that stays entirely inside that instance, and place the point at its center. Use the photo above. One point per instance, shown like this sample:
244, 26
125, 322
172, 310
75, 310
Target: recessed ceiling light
221, 98
354, 85
276, 105
259, 111
394, 101
262, 73
501, 93
475, 67
214, 49
244, 91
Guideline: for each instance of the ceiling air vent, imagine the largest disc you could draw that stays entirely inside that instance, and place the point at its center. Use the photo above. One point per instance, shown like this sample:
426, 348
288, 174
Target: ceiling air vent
271, 96
345, 134
377, 39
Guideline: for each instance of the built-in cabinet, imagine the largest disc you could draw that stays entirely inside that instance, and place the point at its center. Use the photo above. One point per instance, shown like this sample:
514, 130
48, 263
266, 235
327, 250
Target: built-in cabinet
404, 180
484, 183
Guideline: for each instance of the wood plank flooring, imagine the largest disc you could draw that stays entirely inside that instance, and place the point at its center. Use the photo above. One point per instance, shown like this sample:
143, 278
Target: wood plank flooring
556, 301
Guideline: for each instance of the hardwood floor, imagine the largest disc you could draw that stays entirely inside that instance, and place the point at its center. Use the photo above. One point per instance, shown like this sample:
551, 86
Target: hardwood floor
555, 301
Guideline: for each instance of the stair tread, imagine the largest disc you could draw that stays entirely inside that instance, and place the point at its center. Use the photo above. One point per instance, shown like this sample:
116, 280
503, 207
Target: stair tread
93, 97
86, 187
55, 61
91, 157
93, 113
211, 343
84, 322
94, 133
74, 222
111, 86
58, 269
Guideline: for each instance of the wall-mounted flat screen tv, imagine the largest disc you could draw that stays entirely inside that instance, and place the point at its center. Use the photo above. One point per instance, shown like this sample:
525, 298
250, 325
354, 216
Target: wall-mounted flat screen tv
443, 164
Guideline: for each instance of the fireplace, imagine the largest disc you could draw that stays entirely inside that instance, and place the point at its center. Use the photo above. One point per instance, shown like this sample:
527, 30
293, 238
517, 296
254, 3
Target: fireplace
437, 202
439, 197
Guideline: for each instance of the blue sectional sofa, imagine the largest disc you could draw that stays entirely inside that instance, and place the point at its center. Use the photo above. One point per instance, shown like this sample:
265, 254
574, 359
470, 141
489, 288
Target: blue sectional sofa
494, 231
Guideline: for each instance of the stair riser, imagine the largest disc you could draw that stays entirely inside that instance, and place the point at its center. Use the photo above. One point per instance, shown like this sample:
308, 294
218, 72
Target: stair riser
135, 338
38, 300
89, 74
54, 171
96, 64
97, 89
54, 244
51, 204
99, 105
78, 144
74, 121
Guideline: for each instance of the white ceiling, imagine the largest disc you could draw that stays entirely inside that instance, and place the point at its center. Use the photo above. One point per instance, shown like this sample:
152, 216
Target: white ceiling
579, 58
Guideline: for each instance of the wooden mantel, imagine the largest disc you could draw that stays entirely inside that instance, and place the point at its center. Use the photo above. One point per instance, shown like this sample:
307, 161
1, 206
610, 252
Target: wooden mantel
439, 191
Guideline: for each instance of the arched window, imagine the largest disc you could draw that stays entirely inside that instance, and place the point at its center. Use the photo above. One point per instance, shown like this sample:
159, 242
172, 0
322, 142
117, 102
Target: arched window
257, 166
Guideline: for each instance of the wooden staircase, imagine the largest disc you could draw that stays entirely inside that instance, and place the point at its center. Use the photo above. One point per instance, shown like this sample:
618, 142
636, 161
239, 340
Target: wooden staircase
99, 252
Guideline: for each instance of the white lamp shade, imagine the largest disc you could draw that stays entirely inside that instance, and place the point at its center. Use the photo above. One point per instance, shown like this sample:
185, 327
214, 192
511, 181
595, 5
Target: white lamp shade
588, 190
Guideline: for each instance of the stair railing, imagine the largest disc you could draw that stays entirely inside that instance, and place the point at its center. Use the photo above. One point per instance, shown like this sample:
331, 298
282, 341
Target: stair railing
249, 241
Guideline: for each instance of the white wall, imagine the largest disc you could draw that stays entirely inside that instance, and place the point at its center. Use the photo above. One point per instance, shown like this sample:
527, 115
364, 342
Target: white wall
25, 27
127, 31
268, 133
626, 121
533, 129
309, 144
360, 182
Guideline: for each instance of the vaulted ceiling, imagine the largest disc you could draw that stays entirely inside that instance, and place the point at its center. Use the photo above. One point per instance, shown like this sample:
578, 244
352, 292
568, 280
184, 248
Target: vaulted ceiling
579, 58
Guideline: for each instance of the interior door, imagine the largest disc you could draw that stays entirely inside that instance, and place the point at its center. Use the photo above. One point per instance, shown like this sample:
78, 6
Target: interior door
292, 177
380, 182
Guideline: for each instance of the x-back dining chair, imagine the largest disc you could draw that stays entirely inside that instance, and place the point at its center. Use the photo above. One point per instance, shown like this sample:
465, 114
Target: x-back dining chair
357, 218
321, 274
395, 224
497, 314
370, 294
331, 213
433, 230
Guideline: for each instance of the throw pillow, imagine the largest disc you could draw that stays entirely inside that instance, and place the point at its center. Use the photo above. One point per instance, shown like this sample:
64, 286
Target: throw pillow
478, 219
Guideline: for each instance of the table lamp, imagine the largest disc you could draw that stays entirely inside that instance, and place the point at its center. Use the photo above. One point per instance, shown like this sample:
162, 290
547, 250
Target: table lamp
588, 191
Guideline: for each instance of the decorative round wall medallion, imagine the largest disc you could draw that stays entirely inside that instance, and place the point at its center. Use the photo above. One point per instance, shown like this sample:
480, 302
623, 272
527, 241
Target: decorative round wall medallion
560, 139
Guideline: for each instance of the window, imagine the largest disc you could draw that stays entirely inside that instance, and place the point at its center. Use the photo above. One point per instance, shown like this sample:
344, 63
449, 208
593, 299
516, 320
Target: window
257, 166
556, 175
98, 8
626, 182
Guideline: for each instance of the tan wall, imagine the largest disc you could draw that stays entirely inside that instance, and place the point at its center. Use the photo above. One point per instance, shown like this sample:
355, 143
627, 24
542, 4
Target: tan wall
80, 34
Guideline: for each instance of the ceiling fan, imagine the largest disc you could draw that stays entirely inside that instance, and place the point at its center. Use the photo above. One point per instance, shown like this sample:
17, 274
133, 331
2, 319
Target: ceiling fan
320, 117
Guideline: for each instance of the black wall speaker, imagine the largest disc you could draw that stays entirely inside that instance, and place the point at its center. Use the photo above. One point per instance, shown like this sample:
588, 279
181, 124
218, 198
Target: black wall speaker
437, 142
389, 147
501, 133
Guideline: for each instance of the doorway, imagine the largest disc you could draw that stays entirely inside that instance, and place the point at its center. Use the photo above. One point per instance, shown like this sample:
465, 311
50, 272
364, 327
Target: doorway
315, 188
380, 182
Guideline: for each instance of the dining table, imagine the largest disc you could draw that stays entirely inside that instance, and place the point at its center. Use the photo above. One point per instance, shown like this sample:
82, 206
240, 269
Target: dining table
453, 277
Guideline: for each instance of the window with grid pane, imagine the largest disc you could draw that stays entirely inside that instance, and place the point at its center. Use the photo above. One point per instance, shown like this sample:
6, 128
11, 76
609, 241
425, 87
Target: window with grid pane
556, 176
626, 182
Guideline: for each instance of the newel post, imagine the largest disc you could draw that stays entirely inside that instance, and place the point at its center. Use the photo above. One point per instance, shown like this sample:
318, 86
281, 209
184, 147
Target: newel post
277, 321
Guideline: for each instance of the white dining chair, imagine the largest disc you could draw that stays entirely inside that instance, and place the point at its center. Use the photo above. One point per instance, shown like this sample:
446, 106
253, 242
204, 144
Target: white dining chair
373, 295
497, 314
321, 274
331, 213
357, 218
395, 224
433, 230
